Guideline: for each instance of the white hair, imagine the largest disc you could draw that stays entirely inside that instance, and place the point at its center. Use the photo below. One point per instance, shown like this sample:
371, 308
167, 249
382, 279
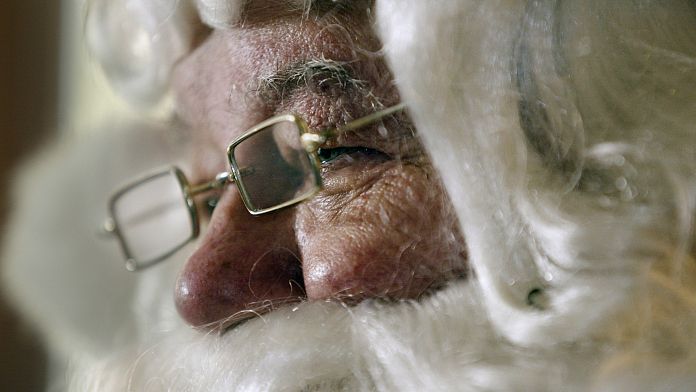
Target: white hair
565, 134
574, 125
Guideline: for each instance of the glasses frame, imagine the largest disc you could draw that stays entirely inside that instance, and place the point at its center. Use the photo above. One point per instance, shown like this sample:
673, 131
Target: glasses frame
311, 143
236, 172
111, 225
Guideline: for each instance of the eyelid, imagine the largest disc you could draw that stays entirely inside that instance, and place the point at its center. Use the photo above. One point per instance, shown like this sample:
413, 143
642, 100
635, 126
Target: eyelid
328, 155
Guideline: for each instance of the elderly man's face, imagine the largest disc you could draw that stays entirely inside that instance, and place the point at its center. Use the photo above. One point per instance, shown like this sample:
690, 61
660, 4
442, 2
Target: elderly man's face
381, 227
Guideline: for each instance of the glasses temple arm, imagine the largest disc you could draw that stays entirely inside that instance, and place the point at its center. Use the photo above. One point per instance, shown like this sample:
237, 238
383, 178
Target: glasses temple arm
312, 141
367, 120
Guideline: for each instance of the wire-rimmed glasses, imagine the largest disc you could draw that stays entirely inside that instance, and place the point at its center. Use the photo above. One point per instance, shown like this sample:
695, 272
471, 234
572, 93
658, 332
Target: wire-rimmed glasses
275, 164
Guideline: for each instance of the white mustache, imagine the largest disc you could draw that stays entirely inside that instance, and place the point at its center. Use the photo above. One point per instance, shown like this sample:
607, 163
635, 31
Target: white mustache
307, 346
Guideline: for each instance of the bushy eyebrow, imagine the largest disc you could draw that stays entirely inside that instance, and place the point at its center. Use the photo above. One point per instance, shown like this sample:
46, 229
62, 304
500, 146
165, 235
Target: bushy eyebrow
312, 74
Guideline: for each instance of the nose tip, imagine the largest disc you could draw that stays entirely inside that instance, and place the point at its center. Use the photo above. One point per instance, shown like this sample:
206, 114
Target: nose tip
190, 301
242, 264
212, 294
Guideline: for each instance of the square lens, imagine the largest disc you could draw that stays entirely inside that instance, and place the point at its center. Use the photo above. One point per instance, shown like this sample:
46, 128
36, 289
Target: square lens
276, 170
153, 218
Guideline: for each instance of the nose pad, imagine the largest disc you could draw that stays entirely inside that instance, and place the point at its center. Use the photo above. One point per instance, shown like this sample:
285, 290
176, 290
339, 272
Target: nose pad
244, 264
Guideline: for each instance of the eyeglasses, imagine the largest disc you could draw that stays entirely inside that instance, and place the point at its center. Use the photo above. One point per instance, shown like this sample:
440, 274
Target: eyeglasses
275, 164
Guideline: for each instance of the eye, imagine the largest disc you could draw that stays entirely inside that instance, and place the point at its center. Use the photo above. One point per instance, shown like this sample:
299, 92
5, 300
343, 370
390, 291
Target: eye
210, 204
327, 155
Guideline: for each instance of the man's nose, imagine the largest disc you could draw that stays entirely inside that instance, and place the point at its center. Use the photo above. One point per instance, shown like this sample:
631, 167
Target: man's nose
243, 263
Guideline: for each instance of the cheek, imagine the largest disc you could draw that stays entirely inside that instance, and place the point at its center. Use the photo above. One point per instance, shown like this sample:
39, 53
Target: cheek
396, 237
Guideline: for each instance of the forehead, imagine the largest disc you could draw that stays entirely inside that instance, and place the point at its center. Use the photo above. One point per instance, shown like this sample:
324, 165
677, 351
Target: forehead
221, 85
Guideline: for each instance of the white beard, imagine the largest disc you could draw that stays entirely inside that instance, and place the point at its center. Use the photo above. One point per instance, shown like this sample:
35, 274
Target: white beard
311, 346
442, 343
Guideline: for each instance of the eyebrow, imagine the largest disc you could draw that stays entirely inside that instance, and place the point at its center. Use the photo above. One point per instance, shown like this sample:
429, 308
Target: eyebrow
312, 74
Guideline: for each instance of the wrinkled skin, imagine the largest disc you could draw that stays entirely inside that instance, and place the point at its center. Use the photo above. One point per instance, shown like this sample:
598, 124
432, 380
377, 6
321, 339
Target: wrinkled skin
381, 227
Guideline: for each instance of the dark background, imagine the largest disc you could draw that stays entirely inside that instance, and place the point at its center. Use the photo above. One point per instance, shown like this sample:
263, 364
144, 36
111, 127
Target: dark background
29, 49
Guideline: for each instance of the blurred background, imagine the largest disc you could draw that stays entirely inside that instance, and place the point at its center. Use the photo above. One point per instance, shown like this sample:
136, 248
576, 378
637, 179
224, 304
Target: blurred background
49, 90
29, 40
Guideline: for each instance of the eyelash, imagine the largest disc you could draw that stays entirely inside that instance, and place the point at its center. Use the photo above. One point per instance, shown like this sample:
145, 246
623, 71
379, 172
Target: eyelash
327, 155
